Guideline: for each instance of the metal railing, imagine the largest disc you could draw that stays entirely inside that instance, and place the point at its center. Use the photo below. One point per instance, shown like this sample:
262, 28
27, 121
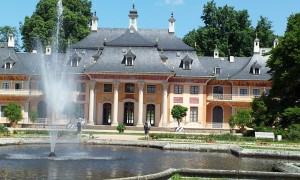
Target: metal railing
231, 97
20, 92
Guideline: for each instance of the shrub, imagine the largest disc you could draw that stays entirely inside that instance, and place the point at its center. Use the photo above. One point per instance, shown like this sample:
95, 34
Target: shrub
4, 130
121, 127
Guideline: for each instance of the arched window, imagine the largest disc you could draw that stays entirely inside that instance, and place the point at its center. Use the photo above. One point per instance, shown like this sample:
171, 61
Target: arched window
217, 117
106, 113
129, 113
150, 114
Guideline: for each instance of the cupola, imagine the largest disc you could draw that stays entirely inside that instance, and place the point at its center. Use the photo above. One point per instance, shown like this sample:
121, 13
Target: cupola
95, 19
216, 53
275, 43
11, 41
48, 50
172, 23
133, 15
256, 48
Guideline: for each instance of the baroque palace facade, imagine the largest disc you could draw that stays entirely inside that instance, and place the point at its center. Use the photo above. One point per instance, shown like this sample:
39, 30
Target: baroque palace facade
131, 75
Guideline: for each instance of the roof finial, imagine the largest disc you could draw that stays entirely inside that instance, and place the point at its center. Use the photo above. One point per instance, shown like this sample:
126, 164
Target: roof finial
133, 4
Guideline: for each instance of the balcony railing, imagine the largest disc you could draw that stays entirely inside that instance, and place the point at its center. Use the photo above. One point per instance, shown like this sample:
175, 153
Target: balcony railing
231, 97
20, 92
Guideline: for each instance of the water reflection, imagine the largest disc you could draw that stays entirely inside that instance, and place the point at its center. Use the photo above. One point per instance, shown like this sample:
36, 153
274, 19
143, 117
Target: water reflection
100, 162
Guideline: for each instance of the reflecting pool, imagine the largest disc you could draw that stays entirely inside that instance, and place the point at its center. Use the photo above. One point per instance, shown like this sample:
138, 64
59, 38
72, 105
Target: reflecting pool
78, 161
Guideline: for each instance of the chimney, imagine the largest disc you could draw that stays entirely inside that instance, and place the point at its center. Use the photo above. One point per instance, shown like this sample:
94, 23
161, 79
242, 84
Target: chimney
11, 41
276, 41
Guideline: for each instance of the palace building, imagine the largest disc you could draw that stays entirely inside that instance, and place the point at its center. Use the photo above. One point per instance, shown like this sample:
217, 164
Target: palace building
132, 75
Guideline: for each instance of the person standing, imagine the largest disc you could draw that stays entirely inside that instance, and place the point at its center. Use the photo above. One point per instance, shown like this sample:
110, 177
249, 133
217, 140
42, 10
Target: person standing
147, 127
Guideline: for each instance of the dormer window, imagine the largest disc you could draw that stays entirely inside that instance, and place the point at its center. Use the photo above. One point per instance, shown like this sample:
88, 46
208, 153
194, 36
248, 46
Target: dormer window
74, 63
8, 63
129, 58
217, 71
186, 63
75, 59
255, 69
129, 61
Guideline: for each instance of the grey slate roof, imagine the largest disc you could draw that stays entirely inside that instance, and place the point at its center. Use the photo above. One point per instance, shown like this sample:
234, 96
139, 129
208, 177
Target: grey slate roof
227, 69
174, 62
244, 73
147, 61
131, 38
9, 54
164, 39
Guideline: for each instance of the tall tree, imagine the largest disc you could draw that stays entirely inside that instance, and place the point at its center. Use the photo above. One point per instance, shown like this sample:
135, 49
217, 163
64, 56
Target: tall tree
226, 28
76, 18
264, 32
284, 64
5, 31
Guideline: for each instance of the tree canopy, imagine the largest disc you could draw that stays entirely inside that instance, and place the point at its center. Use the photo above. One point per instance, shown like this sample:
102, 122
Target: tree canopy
4, 34
284, 64
229, 30
76, 18
178, 112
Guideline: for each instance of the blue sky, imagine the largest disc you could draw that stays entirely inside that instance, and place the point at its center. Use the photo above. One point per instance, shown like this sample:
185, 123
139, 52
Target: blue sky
155, 13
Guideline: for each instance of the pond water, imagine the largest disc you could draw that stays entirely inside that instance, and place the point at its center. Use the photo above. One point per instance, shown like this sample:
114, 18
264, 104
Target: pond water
77, 161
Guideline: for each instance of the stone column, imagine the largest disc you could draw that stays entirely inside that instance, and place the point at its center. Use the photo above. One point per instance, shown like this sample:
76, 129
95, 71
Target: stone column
141, 102
116, 104
165, 104
92, 103
26, 115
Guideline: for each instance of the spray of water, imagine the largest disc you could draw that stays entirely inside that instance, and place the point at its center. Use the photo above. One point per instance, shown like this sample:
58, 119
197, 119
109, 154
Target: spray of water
58, 84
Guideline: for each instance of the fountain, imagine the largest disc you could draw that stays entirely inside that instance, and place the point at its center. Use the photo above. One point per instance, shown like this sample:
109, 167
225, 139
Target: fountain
58, 84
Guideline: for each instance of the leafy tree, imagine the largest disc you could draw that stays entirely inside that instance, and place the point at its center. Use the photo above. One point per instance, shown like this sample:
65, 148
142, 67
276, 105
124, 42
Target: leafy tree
5, 31
264, 111
292, 115
264, 33
243, 118
284, 64
13, 112
226, 28
42, 23
178, 112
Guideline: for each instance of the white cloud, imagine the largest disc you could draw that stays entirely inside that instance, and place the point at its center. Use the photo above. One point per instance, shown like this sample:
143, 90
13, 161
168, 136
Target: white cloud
174, 2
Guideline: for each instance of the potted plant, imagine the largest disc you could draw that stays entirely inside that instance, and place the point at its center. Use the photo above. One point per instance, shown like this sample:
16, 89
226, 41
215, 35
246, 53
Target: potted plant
13, 113
121, 127
33, 115
231, 123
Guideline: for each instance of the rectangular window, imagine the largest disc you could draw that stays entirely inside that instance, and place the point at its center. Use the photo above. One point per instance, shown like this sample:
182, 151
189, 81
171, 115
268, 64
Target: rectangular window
178, 89
243, 92
194, 114
5, 86
267, 92
256, 92
81, 87
217, 71
194, 90
107, 88
2, 110
129, 88
18, 86
151, 89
